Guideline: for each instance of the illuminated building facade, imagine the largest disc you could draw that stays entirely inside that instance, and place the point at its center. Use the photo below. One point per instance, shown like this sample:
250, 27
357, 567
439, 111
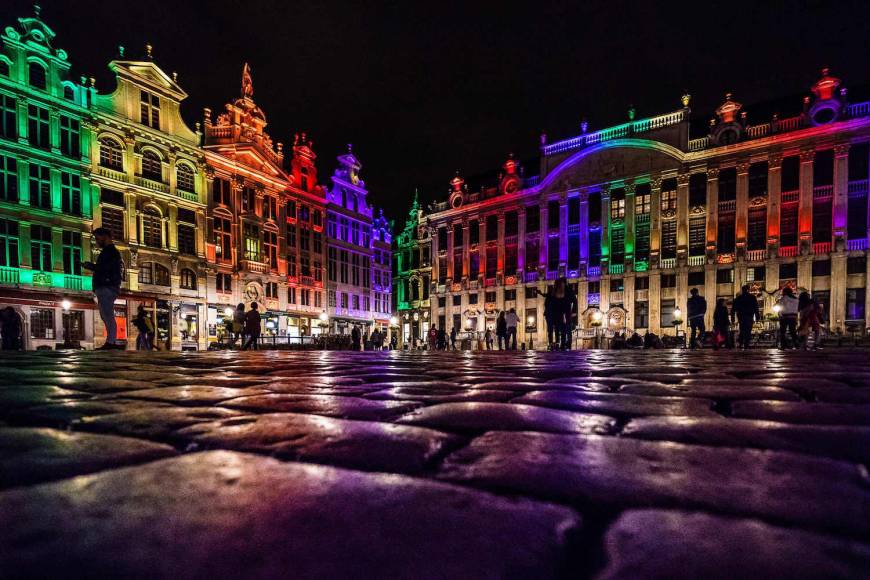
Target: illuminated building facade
382, 285
46, 198
412, 275
265, 223
637, 214
150, 176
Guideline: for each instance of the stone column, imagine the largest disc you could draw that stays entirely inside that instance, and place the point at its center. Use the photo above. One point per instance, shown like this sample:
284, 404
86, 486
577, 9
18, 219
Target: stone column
605, 232
450, 272
433, 236
132, 217
57, 249
500, 263
712, 207
742, 212
805, 201
710, 293
584, 232
563, 232
655, 301
771, 282
655, 228
521, 246
841, 196
466, 248
837, 314
682, 217
628, 298
805, 272
629, 227
173, 228
544, 233
774, 192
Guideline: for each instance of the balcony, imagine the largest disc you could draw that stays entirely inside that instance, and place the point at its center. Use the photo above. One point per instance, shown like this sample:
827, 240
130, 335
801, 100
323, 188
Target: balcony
790, 196
188, 195
151, 184
254, 265
857, 188
616, 268
823, 192
593, 272
306, 280
112, 174
697, 260
617, 297
531, 276
856, 245
756, 255
788, 251
727, 206
9, 276
668, 263
822, 248
552, 275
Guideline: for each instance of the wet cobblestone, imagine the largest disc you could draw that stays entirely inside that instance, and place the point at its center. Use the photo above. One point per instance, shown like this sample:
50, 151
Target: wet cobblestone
435, 465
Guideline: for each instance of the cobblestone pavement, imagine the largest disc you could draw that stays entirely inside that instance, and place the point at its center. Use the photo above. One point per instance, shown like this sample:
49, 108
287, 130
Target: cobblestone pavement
447, 465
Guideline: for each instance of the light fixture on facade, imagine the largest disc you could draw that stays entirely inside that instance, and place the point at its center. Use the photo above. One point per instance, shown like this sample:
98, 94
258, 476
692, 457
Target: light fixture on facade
323, 317
531, 320
228, 311
393, 321
66, 305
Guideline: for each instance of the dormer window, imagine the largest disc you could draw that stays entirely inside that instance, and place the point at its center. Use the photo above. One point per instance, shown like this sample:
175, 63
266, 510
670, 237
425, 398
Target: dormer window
149, 110
69, 93
36, 76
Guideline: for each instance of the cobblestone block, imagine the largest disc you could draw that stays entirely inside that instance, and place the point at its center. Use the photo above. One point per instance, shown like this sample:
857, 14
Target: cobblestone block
329, 405
619, 404
809, 413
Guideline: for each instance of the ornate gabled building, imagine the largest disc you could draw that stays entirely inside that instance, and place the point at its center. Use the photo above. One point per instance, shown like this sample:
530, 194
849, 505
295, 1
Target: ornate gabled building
349, 243
151, 179
382, 287
265, 224
412, 275
46, 199
637, 214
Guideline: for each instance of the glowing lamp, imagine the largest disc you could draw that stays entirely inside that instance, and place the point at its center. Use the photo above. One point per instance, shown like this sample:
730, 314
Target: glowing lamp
323, 317
777, 308
531, 320
468, 323
597, 316
228, 311
66, 304
270, 325
393, 321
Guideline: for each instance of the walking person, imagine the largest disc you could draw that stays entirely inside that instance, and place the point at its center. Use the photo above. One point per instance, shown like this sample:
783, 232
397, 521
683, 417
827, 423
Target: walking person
238, 325
810, 320
10, 327
453, 338
696, 308
433, 337
721, 326
511, 319
441, 343
788, 318
745, 310
252, 327
501, 330
356, 338
107, 284
145, 326
564, 302
487, 338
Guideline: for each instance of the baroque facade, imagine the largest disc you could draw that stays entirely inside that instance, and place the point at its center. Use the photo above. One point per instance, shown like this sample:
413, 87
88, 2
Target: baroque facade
637, 214
412, 276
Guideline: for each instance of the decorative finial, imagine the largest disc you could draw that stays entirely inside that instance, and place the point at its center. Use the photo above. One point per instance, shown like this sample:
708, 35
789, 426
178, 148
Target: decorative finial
148, 49
350, 147
174, 77
247, 82
825, 71
686, 98
543, 138
584, 125
121, 50
93, 82
631, 112
37, 9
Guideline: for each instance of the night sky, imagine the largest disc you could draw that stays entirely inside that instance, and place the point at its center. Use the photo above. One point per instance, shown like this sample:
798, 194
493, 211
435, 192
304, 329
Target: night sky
423, 89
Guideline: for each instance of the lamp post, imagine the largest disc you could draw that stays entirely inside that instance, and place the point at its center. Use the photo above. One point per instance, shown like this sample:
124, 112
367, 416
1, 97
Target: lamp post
530, 327
777, 308
597, 319
678, 320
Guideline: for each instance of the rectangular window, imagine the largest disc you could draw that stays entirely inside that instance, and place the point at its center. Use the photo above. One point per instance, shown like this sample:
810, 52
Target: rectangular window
149, 110
669, 201
725, 275
271, 289
8, 243
553, 215
72, 253
223, 239
491, 228
669, 239
38, 127
291, 296
187, 239
511, 224
270, 208
510, 259
855, 303
856, 265
533, 256
113, 220
252, 243
574, 211
270, 248
641, 283
533, 219
70, 193
788, 224
667, 317
696, 278
788, 271
224, 283
595, 247
42, 323
222, 192
697, 236
641, 242
617, 208
457, 264
822, 217
491, 262
40, 248
641, 314
510, 295
553, 254
70, 136
8, 114
755, 274
292, 268
305, 296
8, 179
617, 245
725, 238
249, 200
344, 267
332, 264
821, 268
474, 265
669, 281
642, 204
304, 239
344, 300
757, 235
457, 300
40, 186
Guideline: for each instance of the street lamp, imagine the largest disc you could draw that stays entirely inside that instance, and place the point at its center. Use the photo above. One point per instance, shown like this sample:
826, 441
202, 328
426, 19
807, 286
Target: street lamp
228, 312
530, 328
597, 319
678, 320
393, 321
67, 343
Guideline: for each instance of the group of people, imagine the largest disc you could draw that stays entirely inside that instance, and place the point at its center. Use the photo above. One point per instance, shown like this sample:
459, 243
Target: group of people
244, 327
377, 340
560, 306
799, 317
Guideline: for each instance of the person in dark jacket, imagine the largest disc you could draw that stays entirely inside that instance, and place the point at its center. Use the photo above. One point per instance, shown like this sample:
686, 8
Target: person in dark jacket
721, 325
453, 338
501, 330
745, 310
564, 307
10, 327
696, 308
107, 284
550, 319
356, 338
252, 327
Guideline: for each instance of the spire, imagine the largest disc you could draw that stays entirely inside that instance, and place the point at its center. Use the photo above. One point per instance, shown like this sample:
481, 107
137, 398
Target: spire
247, 82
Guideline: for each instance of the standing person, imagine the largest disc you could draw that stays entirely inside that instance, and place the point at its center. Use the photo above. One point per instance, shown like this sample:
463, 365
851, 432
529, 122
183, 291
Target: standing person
550, 318
721, 327
107, 284
788, 317
564, 309
696, 308
501, 330
442, 339
239, 325
487, 337
433, 337
252, 327
10, 326
745, 310
453, 338
394, 341
512, 320
355, 338
810, 320
145, 326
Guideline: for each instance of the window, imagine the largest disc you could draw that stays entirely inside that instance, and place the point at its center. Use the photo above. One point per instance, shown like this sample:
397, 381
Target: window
725, 276
270, 248
305, 296
40, 248
292, 269
641, 242
510, 259
617, 245
669, 281
318, 242
149, 110
152, 228
146, 273
271, 290
40, 186
855, 303
249, 199
72, 253
223, 239
822, 268
510, 295
344, 300
185, 177
755, 274
291, 211
788, 224
511, 225
857, 265
4, 68
552, 254
457, 300
617, 205
70, 193
270, 208
222, 192
669, 201
36, 76
8, 243
70, 132
533, 219
224, 283
332, 264
458, 238
42, 323
616, 285
725, 238
74, 323
355, 298
757, 236
668, 313
291, 297
641, 283
113, 220
161, 275
252, 242
669, 239
530, 293
152, 166
344, 264
111, 154
696, 279
8, 179
642, 204
187, 239
317, 217
37, 127
641, 314
491, 228
532, 254
822, 216
69, 93
188, 279
8, 114
697, 236
304, 213
788, 271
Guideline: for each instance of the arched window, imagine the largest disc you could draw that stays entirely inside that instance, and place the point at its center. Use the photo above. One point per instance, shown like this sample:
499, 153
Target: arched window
152, 228
161, 275
111, 155
188, 279
69, 93
185, 177
36, 76
4, 68
152, 167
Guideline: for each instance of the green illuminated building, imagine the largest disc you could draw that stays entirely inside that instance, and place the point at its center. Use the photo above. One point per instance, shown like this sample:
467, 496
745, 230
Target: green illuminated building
412, 273
46, 203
